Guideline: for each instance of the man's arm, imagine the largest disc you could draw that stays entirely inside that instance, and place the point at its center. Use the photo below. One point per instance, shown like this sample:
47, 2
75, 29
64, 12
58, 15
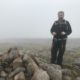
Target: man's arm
53, 29
69, 30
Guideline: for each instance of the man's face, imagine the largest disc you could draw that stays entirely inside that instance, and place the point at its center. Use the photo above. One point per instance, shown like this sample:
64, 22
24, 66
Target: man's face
60, 15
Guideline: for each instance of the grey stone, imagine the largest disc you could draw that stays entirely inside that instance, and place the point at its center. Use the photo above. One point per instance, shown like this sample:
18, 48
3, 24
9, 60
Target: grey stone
67, 78
78, 78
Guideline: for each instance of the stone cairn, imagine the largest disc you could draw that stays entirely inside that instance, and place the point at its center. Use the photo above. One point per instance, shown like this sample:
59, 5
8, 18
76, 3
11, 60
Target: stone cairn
19, 65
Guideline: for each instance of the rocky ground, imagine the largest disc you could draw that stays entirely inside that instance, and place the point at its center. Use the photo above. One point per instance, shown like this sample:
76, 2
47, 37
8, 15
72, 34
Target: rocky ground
71, 63
41, 52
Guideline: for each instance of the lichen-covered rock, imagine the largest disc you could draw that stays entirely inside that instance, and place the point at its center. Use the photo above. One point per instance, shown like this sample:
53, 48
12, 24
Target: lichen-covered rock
40, 75
67, 78
78, 78
2, 78
66, 72
3, 74
20, 76
33, 68
53, 70
16, 71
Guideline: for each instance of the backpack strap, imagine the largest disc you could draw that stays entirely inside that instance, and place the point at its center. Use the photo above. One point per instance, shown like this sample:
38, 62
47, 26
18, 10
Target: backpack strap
66, 24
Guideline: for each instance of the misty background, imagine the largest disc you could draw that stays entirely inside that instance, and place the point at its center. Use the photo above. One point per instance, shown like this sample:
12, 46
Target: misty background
34, 18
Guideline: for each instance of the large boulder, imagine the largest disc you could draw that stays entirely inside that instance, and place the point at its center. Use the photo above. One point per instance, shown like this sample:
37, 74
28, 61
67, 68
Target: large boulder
20, 76
78, 78
53, 70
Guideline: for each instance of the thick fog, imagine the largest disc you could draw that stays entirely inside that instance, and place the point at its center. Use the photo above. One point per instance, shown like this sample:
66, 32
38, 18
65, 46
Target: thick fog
34, 18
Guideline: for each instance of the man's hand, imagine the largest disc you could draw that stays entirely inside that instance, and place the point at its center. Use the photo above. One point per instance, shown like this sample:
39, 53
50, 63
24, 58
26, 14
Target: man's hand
54, 33
63, 33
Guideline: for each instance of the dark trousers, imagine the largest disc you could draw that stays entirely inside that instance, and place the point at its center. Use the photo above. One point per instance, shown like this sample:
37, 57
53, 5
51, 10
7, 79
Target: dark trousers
57, 51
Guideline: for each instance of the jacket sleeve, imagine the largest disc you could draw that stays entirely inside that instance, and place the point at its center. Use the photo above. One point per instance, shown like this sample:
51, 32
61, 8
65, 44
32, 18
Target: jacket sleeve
69, 30
52, 28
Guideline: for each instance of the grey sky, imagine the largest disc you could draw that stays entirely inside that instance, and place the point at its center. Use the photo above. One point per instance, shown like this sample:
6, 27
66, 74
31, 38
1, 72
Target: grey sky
34, 18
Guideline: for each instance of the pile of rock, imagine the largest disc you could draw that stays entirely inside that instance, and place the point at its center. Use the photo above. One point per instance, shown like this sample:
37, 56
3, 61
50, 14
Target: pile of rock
18, 65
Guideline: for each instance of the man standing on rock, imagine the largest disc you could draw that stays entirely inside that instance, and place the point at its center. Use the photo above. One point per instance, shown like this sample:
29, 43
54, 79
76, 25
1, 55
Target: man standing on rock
60, 30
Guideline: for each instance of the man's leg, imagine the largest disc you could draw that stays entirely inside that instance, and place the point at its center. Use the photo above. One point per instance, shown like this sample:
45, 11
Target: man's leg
54, 50
62, 45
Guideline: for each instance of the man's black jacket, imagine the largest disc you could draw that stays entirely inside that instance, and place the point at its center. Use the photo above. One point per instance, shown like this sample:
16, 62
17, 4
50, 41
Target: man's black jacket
58, 27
